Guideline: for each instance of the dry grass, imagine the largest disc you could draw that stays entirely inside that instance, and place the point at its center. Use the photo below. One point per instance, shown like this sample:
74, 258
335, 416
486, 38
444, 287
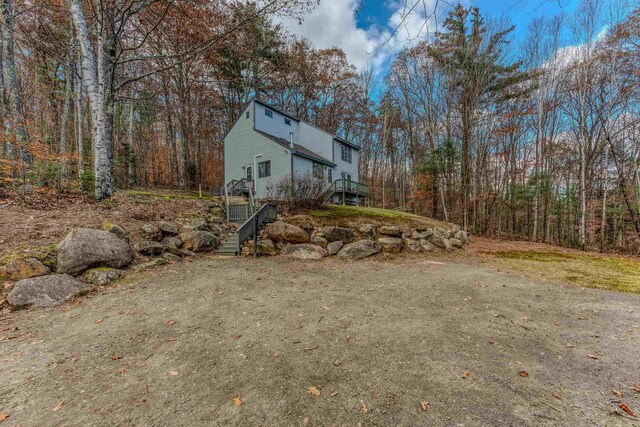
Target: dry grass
592, 270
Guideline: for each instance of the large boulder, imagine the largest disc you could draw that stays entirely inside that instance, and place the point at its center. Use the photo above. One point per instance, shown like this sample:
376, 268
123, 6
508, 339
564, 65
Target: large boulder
318, 239
334, 234
150, 232
413, 245
390, 230
168, 228
462, 236
199, 241
419, 234
280, 231
84, 248
456, 243
45, 291
266, 247
199, 224
334, 247
149, 247
427, 246
25, 269
368, 230
391, 244
360, 249
101, 276
442, 242
305, 251
172, 242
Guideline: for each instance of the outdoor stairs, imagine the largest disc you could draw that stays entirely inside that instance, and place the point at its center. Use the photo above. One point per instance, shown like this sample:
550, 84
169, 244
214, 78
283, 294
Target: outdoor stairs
230, 246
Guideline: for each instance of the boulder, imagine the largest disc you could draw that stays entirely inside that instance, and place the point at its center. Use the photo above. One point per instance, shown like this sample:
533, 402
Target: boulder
199, 241
412, 245
150, 232
462, 236
420, 234
441, 233
115, 229
391, 244
149, 247
456, 243
334, 234
442, 242
305, 251
45, 291
101, 276
307, 226
427, 246
368, 230
174, 242
84, 248
280, 231
169, 257
319, 240
360, 249
390, 230
334, 247
149, 264
25, 269
168, 228
266, 247
199, 224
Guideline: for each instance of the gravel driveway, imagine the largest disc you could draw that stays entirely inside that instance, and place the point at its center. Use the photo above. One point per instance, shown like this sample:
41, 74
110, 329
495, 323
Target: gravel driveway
280, 342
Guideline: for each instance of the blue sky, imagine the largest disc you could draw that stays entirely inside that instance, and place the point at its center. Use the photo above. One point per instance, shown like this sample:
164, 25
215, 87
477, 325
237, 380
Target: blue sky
360, 28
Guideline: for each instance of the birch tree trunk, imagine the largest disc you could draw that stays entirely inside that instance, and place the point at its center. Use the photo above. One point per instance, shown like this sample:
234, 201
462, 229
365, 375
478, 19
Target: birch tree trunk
92, 77
11, 78
66, 113
79, 130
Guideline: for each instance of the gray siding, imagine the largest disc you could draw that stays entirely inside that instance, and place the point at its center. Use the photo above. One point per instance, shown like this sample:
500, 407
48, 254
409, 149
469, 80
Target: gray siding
242, 143
275, 125
316, 140
303, 167
350, 168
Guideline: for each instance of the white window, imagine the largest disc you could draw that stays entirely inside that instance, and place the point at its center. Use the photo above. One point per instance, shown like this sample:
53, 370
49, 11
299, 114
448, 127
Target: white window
345, 153
264, 169
249, 172
287, 121
268, 113
318, 171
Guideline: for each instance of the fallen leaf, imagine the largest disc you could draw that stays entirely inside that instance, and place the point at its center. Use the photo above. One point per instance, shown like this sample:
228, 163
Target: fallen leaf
311, 348
364, 408
3, 416
334, 393
617, 393
99, 321
169, 322
557, 396
116, 357
173, 373
59, 406
523, 374
569, 345
636, 387
424, 405
337, 362
626, 409
465, 375
592, 356
122, 370
237, 401
313, 391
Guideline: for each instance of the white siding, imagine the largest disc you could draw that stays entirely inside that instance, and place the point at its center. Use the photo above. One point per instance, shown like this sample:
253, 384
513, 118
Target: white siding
316, 140
274, 125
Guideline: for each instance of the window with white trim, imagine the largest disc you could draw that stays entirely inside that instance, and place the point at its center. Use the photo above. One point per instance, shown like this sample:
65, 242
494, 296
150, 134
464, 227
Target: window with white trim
318, 171
345, 153
264, 169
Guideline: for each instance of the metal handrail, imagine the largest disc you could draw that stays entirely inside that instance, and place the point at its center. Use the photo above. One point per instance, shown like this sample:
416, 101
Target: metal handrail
250, 228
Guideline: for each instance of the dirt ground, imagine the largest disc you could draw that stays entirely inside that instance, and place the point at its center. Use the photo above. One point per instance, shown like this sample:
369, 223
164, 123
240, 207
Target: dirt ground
176, 345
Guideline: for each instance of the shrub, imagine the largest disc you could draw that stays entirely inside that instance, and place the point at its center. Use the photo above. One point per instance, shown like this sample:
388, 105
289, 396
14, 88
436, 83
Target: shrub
300, 193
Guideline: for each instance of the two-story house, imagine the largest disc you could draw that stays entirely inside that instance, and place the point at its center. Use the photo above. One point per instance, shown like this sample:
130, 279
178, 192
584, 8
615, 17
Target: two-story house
266, 146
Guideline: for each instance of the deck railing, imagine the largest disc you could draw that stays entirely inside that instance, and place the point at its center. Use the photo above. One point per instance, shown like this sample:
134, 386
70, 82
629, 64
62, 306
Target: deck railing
347, 188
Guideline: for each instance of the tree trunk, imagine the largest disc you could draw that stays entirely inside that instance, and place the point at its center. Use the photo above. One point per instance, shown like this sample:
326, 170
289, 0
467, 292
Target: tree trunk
94, 85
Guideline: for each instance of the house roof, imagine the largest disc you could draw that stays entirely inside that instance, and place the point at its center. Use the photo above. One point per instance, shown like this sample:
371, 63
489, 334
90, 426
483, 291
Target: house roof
298, 149
284, 113
345, 142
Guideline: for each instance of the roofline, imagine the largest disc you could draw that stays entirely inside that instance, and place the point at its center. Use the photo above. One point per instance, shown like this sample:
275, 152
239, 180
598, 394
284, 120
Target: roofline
344, 141
244, 107
315, 159
284, 113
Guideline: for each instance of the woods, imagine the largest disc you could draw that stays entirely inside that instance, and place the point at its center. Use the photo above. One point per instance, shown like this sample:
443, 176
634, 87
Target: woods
535, 139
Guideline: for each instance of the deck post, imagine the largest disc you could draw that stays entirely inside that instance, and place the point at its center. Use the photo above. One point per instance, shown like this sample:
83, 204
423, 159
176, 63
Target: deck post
343, 190
255, 237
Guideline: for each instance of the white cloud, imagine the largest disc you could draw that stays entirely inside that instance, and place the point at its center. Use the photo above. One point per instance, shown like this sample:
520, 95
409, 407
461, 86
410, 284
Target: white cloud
333, 24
